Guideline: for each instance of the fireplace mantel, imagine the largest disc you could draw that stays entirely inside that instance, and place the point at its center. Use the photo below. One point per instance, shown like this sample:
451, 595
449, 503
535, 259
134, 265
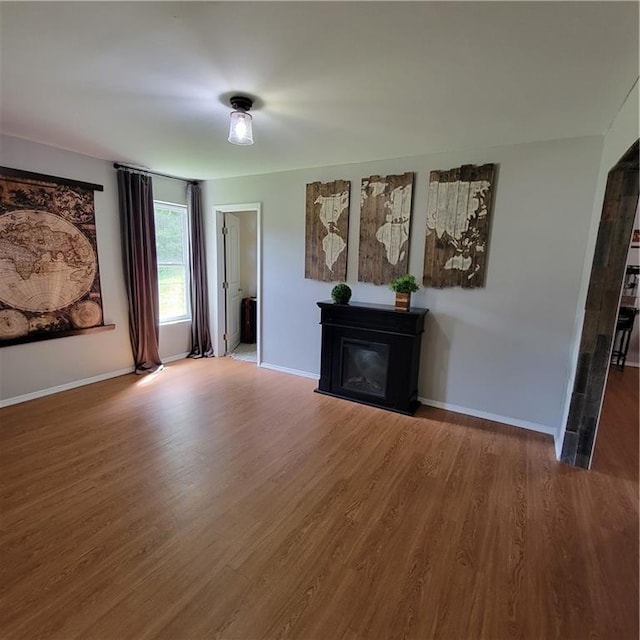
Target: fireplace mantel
371, 354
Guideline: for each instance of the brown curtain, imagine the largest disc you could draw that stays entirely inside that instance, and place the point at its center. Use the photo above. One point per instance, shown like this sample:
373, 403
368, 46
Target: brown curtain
135, 193
201, 346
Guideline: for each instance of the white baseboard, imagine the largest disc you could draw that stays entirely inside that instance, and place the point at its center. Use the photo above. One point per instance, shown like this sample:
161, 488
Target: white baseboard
514, 422
293, 372
180, 356
296, 372
77, 383
558, 439
632, 364
64, 387
523, 424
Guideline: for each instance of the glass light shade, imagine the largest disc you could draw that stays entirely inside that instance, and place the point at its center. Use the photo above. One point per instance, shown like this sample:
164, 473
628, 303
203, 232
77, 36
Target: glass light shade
240, 131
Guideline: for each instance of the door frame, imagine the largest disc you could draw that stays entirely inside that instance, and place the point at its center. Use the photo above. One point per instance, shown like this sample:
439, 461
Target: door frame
217, 295
231, 219
601, 310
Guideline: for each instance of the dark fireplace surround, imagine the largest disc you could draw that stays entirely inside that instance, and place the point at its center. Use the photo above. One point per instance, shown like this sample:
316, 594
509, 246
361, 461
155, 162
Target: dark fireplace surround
371, 354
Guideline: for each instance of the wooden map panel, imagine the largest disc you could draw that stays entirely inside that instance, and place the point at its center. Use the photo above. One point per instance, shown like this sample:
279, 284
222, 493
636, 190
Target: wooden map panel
385, 227
49, 278
327, 231
458, 218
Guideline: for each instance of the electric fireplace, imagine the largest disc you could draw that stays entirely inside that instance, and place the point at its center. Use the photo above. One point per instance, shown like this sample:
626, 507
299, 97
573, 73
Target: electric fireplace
371, 354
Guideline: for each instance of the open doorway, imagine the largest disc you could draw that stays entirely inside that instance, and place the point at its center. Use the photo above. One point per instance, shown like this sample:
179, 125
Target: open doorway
603, 312
241, 291
616, 447
239, 282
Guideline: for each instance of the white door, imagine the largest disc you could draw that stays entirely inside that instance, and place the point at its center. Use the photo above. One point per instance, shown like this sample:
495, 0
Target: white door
233, 291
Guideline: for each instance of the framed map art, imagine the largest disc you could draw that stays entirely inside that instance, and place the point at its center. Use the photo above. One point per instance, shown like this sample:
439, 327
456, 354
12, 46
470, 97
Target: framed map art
49, 275
458, 220
385, 227
327, 231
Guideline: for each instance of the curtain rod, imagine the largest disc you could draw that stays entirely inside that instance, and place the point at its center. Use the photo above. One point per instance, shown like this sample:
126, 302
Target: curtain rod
118, 165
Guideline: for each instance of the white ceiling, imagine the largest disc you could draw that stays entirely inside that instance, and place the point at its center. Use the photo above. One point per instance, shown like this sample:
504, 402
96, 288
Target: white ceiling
340, 82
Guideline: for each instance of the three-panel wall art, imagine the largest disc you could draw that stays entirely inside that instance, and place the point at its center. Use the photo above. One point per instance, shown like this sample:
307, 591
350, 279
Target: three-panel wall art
457, 227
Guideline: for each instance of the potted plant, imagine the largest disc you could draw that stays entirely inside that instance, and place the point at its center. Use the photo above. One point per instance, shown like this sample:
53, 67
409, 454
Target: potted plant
404, 286
341, 293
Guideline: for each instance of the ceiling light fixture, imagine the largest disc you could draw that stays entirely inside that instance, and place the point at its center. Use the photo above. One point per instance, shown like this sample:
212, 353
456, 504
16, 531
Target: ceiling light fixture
240, 131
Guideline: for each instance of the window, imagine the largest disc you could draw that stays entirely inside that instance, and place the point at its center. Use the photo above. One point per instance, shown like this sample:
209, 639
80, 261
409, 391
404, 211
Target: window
172, 243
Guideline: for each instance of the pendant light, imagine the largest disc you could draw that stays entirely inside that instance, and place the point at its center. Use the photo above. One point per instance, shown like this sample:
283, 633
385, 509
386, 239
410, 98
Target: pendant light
240, 130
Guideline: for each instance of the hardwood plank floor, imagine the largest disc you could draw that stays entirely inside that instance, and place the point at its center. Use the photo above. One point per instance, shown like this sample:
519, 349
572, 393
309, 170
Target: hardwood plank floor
219, 500
617, 442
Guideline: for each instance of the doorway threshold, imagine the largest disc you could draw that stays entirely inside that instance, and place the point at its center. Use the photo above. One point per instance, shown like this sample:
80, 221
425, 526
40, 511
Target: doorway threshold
245, 352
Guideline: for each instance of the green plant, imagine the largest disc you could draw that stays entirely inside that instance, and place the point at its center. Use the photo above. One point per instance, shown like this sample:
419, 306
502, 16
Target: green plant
341, 293
404, 284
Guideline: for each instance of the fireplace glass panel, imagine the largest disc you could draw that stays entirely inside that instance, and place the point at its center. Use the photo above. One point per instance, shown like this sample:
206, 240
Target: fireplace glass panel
364, 367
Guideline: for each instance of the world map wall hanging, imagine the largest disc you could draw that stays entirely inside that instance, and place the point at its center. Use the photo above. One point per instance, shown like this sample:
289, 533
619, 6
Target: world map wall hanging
327, 231
385, 227
49, 275
458, 216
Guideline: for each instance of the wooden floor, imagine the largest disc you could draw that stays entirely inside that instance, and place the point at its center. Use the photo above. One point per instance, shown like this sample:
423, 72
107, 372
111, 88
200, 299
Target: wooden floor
617, 445
219, 500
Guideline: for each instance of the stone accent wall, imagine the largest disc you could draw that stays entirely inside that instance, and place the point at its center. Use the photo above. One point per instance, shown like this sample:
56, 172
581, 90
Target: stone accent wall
601, 310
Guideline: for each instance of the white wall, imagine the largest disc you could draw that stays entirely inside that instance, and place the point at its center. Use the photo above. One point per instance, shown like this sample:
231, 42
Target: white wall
503, 350
36, 367
248, 255
170, 190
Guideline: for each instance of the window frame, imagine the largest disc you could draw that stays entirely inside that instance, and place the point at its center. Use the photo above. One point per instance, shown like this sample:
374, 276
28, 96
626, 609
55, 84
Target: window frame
186, 248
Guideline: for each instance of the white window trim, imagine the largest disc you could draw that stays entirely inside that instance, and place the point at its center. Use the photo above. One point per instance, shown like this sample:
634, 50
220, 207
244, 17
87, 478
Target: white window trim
185, 256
